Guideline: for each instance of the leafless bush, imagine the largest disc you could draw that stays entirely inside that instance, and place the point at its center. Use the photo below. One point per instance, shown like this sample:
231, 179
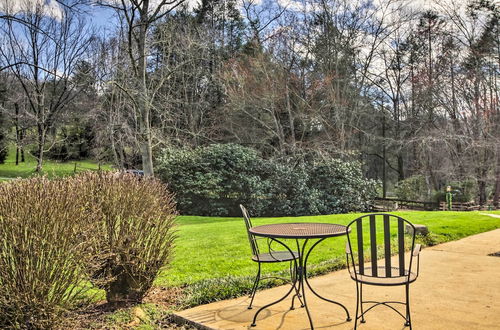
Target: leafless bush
43, 248
114, 229
133, 232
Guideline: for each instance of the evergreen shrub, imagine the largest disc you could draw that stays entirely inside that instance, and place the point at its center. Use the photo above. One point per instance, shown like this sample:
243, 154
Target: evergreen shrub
413, 188
214, 179
72, 142
208, 181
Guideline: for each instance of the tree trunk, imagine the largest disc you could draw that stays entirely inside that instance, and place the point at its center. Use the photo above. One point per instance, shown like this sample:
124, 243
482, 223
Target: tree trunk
23, 133
41, 143
147, 155
482, 173
113, 147
432, 184
482, 192
401, 168
16, 107
290, 117
384, 160
145, 143
496, 196
456, 123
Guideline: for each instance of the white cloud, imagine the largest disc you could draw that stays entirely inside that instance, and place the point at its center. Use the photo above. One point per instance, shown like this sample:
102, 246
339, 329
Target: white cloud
153, 4
53, 9
47, 7
300, 6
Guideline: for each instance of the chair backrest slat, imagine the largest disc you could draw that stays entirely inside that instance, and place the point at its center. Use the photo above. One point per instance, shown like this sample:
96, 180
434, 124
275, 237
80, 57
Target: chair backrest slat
387, 245
373, 244
390, 230
248, 224
401, 246
361, 257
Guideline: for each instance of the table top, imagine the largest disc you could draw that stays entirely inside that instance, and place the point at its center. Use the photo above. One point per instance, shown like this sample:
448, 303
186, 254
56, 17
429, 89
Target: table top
299, 230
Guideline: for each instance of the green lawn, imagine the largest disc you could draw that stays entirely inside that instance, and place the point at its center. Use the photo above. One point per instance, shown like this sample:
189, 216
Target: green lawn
212, 247
9, 170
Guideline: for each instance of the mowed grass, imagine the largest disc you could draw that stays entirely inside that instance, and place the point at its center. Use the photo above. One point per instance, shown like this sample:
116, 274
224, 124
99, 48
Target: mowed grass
9, 170
213, 247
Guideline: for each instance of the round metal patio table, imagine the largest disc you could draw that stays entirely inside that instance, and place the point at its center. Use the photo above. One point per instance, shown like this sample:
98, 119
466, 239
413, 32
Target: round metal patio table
305, 232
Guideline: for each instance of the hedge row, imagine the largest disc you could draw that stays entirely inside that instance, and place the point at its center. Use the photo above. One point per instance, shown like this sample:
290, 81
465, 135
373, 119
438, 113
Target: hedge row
213, 180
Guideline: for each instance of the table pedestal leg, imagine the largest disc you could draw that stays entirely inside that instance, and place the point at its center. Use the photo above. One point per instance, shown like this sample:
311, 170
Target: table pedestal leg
294, 285
313, 291
297, 290
301, 280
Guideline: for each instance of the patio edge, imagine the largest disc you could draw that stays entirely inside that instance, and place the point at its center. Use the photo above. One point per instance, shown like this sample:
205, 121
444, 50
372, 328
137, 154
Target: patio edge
181, 320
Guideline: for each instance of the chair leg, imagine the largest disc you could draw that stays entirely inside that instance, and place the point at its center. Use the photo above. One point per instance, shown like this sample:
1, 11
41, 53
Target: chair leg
408, 317
254, 288
361, 302
357, 307
293, 275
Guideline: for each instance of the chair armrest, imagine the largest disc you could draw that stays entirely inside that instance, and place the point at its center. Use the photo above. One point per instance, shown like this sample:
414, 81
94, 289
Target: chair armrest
347, 248
416, 250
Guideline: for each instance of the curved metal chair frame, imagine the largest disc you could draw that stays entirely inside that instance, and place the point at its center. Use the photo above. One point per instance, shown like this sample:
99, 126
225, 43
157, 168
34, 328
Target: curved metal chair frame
385, 275
269, 257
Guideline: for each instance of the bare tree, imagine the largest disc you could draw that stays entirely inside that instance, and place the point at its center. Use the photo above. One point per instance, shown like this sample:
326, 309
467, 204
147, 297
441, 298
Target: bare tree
42, 52
139, 16
260, 16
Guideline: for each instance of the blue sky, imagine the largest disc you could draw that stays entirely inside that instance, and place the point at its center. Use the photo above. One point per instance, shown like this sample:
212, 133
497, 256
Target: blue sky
102, 17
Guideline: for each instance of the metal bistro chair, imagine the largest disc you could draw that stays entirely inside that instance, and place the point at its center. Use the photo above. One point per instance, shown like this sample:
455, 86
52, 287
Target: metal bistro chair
364, 232
268, 257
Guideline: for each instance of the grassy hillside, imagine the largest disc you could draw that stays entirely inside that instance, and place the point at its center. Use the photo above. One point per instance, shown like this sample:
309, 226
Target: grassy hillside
10, 170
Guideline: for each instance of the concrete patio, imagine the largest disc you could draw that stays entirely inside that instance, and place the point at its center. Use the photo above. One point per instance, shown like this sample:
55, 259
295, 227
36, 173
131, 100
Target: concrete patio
458, 288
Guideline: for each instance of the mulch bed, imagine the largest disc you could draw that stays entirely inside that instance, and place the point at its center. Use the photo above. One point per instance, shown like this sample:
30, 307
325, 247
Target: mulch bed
96, 316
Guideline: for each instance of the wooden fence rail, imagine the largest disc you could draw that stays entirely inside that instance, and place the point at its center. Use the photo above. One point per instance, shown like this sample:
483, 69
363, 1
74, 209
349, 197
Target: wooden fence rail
457, 206
391, 204
83, 168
